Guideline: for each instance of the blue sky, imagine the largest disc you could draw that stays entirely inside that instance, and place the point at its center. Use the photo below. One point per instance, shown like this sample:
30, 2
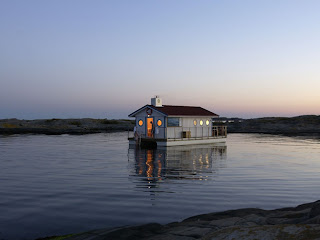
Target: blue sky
108, 58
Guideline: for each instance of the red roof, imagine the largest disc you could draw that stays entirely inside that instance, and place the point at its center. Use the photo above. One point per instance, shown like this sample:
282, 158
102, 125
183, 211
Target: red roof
179, 110
184, 111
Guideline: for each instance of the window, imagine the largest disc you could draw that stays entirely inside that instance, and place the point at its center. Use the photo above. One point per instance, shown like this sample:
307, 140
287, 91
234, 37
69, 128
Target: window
195, 122
201, 122
173, 122
159, 122
140, 122
207, 122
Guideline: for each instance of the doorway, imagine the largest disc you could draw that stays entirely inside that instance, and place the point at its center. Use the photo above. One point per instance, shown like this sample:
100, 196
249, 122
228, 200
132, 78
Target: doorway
150, 127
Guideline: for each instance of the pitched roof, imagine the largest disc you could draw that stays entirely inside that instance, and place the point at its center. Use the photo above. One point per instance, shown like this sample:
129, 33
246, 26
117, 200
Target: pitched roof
178, 110
184, 111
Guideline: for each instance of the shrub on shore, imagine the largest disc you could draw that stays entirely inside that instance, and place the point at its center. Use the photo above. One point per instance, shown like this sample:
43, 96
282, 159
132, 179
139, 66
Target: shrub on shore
76, 123
106, 121
9, 125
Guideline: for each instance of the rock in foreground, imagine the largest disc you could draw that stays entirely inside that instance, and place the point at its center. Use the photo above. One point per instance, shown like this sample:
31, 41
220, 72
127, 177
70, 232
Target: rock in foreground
301, 222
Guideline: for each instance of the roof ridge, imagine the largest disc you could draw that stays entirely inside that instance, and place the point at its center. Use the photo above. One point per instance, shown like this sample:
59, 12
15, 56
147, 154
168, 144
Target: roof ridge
181, 106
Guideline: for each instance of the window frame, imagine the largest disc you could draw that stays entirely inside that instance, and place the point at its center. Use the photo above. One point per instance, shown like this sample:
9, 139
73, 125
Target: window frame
168, 122
140, 120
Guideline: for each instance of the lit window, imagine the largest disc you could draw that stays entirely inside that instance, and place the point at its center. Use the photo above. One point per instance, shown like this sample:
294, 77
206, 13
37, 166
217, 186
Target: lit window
159, 122
201, 122
195, 122
207, 122
140, 123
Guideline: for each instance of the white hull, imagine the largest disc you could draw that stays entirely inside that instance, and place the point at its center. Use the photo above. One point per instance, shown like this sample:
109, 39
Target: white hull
183, 141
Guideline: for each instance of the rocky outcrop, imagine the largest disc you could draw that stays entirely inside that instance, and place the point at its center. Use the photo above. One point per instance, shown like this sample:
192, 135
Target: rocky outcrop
64, 126
301, 222
301, 125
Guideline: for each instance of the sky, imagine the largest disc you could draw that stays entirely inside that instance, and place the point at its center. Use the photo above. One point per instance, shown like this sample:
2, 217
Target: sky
106, 59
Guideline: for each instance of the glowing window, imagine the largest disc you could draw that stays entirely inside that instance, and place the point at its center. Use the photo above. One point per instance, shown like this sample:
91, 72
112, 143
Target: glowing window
140, 123
207, 122
195, 122
201, 122
159, 122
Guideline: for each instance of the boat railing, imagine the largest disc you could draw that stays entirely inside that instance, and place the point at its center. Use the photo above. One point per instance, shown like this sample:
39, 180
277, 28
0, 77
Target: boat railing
219, 131
184, 133
197, 132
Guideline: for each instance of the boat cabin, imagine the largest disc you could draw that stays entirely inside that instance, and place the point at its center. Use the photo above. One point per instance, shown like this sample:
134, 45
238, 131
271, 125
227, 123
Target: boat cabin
169, 125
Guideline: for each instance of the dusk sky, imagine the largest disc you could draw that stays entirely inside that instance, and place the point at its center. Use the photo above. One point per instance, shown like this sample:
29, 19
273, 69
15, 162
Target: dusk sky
105, 59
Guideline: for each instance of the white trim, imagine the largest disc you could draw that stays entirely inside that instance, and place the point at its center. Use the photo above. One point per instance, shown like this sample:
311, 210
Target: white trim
191, 142
143, 108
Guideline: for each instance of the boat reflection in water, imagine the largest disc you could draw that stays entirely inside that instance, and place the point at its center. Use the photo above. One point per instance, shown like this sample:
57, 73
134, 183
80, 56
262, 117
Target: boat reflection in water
195, 162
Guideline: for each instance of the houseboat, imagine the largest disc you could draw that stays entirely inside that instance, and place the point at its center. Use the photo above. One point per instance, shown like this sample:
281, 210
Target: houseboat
168, 125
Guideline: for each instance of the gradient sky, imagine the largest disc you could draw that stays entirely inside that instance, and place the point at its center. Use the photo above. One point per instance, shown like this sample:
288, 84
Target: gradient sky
105, 59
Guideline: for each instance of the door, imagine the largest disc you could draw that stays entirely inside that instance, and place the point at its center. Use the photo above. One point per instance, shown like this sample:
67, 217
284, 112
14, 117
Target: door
150, 127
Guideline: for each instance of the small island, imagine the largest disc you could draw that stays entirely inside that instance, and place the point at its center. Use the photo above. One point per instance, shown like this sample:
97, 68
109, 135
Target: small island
57, 126
299, 125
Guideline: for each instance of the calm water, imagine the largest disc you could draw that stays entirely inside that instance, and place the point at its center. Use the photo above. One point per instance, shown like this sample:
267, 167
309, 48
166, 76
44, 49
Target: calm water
51, 185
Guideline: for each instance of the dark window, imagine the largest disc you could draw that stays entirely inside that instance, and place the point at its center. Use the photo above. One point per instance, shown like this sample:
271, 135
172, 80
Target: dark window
173, 122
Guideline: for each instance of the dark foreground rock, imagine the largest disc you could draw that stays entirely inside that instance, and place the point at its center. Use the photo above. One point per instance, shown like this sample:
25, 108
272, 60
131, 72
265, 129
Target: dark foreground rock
301, 223
64, 126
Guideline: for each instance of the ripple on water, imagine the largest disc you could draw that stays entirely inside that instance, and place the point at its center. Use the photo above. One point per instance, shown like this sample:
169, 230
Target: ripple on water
53, 185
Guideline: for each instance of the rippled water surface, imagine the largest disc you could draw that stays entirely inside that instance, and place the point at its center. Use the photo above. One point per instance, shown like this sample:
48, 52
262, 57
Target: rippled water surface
53, 185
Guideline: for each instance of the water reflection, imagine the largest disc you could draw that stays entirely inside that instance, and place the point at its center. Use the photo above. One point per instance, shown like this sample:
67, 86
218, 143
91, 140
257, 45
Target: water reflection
199, 162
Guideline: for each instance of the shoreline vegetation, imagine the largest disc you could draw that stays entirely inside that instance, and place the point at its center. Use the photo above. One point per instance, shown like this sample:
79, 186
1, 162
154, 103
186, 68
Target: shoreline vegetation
300, 125
301, 222
57, 126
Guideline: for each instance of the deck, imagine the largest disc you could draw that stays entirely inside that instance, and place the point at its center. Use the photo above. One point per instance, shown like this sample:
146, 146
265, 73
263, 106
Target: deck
219, 135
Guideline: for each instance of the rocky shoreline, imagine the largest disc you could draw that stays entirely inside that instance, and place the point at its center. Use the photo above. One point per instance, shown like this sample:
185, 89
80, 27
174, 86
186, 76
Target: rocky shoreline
300, 125
299, 223
63, 126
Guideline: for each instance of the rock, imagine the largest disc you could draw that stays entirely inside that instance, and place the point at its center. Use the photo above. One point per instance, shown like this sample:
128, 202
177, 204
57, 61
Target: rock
315, 220
301, 222
300, 125
227, 222
125, 233
227, 214
194, 232
64, 126
315, 210
256, 219
170, 237
296, 232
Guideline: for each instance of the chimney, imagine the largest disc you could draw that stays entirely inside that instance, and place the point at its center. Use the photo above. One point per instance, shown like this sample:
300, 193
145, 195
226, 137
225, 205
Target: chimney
156, 101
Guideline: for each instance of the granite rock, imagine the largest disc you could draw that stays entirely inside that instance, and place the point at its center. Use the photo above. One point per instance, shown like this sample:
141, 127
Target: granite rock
300, 223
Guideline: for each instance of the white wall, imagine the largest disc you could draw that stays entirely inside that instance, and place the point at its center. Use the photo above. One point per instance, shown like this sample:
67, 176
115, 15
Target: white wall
186, 124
